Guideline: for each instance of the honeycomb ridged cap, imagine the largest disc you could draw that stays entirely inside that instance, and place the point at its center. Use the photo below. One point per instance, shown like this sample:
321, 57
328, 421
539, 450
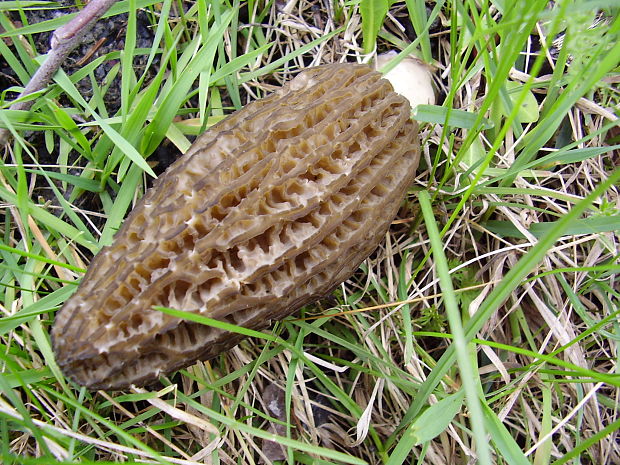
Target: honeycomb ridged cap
268, 211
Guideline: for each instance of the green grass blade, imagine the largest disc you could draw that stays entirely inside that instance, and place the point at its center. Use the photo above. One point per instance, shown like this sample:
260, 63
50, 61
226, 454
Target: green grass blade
373, 13
469, 375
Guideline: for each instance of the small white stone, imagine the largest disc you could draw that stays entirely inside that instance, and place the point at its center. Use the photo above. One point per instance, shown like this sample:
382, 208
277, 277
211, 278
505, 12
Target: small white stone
411, 78
275, 408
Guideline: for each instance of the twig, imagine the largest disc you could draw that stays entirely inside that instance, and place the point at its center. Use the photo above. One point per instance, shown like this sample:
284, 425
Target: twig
64, 40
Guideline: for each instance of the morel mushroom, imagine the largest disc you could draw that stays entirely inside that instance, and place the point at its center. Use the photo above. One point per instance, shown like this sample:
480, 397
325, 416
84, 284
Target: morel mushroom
268, 211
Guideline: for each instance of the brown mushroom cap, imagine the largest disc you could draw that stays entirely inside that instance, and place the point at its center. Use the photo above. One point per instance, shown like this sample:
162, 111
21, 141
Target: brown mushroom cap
268, 210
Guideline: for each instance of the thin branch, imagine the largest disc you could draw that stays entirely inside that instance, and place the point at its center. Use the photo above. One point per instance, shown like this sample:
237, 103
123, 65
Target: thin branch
64, 40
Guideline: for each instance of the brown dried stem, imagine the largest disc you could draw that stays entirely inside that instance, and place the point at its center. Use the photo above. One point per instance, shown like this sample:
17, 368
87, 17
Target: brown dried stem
64, 40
